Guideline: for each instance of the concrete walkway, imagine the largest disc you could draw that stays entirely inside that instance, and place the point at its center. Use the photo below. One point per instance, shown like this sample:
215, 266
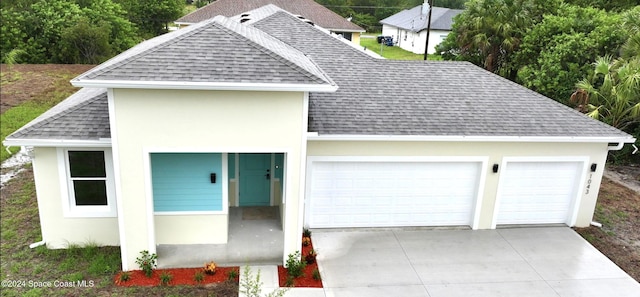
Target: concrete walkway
547, 261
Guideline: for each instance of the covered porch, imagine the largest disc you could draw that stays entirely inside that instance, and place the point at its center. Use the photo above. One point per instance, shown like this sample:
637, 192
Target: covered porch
255, 237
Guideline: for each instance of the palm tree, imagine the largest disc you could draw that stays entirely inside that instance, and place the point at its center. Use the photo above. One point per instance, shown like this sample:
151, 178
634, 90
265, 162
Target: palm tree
612, 94
494, 29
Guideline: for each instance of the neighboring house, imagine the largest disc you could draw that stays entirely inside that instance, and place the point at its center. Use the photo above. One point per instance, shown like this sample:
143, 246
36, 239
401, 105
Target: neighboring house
409, 27
307, 9
163, 139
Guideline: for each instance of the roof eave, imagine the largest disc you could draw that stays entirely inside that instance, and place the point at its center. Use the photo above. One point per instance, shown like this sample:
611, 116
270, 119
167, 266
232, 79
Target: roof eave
345, 30
314, 136
103, 142
222, 86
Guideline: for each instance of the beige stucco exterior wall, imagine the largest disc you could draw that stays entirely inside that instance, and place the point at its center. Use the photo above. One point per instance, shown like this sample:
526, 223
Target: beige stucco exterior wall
190, 229
205, 121
355, 38
59, 231
595, 153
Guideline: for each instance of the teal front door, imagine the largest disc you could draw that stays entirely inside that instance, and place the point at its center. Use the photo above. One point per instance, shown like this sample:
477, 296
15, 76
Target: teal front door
255, 179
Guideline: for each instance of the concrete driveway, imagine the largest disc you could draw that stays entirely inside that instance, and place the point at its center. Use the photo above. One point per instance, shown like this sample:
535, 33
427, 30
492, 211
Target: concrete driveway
547, 261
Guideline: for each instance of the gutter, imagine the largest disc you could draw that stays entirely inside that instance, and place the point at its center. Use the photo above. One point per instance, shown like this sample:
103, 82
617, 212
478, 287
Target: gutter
618, 141
104, 142
225, 86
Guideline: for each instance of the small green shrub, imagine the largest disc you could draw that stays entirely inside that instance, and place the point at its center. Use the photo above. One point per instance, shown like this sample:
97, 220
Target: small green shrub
147, 262
198, 277
124, 276
295, 265
289, 282
316, 274
232, 274
165, 278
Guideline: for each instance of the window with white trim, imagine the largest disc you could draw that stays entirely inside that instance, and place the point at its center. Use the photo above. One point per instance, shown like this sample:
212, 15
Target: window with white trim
89, 179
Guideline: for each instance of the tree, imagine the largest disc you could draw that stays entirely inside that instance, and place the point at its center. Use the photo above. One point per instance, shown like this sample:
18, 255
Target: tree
152, 17
488, 32
559, 50
38, 29
110, 15
612, 92
85, 43
609, 5
631, 24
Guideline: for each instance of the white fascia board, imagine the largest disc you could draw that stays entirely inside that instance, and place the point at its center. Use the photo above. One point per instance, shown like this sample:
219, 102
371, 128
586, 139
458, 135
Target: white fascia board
313, 136
105, 142
347, 30
223, 86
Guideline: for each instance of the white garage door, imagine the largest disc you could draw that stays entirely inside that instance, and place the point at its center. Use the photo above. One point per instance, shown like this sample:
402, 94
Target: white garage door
384, 194
538, 192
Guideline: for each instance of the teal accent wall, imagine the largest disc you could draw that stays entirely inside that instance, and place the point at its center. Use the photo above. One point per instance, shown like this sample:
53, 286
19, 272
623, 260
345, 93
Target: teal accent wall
232, 165
181, 181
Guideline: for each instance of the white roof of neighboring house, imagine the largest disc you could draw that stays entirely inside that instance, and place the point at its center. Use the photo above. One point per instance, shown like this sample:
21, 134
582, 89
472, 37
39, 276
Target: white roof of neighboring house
414, 20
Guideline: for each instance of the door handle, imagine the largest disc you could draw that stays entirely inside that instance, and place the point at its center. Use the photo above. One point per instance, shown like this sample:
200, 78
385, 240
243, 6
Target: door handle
268, 175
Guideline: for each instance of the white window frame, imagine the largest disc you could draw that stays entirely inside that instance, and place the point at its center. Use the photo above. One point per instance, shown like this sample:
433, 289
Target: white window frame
69, 207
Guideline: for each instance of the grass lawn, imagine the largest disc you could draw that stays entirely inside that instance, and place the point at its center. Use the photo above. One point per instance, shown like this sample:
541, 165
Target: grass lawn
86, 270
33, 91
392, 52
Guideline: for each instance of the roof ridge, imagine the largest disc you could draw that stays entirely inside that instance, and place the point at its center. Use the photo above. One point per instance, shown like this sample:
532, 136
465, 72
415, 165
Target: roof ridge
293, 17
272, 53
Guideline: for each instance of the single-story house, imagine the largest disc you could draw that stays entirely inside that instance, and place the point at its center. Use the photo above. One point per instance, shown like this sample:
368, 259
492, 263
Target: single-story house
163, 139
307, 10
409, 27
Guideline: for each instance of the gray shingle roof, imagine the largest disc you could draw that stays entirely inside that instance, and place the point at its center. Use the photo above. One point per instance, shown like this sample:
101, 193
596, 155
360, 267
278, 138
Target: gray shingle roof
375, 97
82, 116
414, 20
387, 97
309, 9
218, 50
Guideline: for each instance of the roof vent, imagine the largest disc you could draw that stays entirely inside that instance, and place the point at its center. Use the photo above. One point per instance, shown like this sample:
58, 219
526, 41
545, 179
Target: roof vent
244, 15
244, 20
309, 22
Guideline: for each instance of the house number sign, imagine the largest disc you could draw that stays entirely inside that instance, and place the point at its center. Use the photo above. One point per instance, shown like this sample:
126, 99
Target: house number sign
589, 183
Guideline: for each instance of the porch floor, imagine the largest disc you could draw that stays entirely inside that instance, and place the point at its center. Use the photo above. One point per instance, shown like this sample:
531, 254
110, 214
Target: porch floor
254, 238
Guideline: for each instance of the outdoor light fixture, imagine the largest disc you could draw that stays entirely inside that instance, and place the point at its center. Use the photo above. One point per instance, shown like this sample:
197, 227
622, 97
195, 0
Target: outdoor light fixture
495, 168
213, 178
593, 167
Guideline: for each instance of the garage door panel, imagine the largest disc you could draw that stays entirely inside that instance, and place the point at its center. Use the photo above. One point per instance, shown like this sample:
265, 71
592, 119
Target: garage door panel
538, 192
379, 194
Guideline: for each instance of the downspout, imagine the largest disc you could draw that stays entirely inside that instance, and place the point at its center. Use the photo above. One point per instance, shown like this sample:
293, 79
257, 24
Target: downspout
37, 244
616, 148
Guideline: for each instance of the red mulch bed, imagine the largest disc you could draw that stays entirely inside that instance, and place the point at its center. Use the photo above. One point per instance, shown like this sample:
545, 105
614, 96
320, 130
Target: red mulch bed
181, 276
306, 280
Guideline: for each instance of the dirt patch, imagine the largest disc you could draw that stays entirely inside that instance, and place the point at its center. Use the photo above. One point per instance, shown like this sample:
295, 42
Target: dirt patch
22, 82
628, 175
618, 210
